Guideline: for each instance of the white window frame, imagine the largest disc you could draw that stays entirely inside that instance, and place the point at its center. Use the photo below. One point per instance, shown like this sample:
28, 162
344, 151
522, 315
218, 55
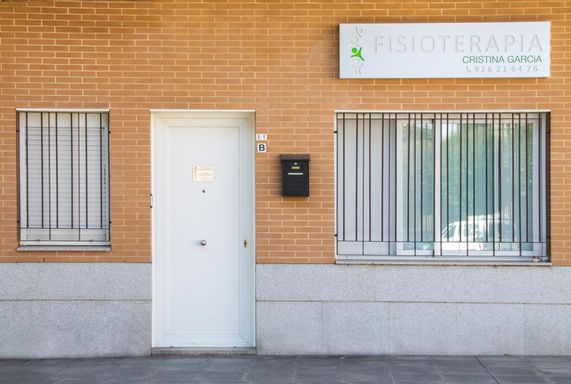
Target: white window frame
540, 252
26, 244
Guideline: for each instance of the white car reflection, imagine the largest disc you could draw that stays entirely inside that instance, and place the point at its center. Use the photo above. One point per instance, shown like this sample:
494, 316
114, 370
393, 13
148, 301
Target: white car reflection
477, 233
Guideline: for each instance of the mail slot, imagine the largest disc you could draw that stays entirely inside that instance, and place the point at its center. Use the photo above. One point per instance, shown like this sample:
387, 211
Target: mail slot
295, 175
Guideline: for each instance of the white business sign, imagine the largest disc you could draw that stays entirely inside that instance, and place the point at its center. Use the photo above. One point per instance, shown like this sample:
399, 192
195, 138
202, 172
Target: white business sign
438, 50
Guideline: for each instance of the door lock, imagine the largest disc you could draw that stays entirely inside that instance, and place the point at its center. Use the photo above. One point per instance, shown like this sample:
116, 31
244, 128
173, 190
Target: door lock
245, 243
203, 243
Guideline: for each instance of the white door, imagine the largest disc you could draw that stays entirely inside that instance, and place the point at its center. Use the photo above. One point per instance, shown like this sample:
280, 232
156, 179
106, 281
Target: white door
203, 229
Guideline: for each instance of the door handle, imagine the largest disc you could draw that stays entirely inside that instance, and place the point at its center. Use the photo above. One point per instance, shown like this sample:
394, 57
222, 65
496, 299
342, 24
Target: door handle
203, 243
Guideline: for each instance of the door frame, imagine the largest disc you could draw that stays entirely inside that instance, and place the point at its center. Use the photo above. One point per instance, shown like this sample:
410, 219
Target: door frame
248, 146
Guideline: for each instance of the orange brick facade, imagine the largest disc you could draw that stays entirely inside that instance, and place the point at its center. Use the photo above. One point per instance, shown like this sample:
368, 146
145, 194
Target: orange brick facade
277, 57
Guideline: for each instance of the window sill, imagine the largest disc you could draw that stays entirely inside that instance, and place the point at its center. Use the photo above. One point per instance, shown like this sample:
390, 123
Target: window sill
62, 248
435, 262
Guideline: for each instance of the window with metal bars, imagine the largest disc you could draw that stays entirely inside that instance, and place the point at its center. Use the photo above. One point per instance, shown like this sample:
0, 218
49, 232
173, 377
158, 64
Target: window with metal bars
63, 178
442, 186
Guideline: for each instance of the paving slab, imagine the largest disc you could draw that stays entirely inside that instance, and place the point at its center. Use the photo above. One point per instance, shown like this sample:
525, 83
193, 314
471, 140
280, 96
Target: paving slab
291, 370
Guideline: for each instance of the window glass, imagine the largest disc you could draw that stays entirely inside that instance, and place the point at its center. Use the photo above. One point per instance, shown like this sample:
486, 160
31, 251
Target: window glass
441, 184
63, 178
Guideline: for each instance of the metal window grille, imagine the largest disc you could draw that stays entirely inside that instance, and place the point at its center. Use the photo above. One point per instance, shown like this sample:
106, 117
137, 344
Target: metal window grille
63, 178
442, 185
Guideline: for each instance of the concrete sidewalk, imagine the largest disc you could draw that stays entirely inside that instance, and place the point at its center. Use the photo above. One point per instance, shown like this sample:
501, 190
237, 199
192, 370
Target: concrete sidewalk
310, 370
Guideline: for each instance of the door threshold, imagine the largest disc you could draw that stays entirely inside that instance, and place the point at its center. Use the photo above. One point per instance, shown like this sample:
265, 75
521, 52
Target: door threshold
193, 351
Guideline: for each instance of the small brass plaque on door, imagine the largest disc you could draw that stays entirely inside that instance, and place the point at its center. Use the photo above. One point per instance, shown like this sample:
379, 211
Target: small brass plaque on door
202, 174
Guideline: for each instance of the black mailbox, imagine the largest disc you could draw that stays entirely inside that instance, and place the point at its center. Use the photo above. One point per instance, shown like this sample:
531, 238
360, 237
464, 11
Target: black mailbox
295, 175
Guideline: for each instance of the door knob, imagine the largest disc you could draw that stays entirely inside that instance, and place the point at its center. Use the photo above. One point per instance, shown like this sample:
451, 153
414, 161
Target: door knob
203, 242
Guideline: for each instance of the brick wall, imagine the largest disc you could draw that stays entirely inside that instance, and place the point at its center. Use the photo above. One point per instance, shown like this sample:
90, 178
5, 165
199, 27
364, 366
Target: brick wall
278, 57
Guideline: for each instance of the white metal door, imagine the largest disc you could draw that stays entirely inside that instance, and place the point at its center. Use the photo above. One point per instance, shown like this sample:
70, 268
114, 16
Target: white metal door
202, 221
